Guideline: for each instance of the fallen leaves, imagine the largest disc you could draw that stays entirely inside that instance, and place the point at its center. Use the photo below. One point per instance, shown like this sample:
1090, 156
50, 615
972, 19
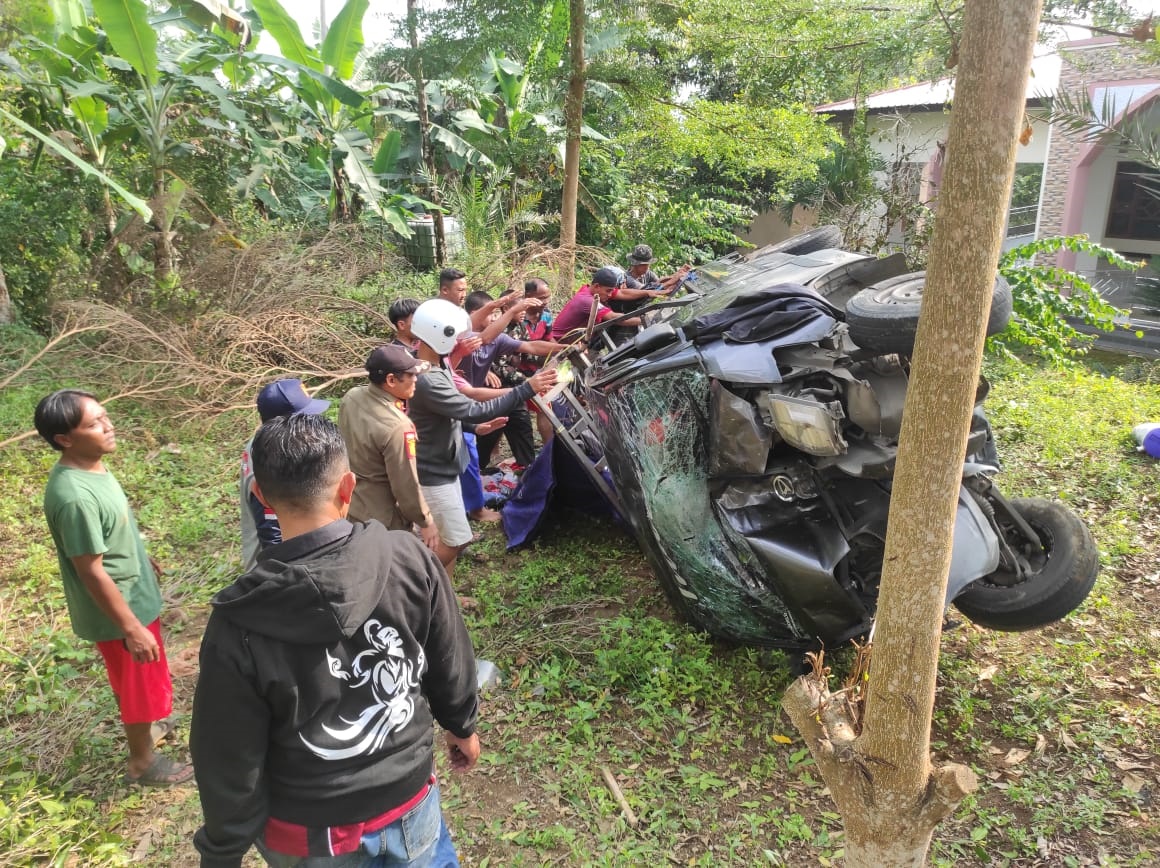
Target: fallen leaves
1134, 783
1015, 757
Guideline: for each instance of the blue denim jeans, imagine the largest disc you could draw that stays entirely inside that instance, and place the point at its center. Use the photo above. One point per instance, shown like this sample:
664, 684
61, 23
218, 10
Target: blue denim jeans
419, 839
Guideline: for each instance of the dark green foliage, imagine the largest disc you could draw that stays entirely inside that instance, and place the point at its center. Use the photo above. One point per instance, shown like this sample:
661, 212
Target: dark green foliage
844, 178
1026, 184
46, 233
686, 227
1048, 299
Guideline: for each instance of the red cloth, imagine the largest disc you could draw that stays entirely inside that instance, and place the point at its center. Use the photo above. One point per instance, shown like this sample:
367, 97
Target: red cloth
295, 840
144, 691
529, 331
535, 331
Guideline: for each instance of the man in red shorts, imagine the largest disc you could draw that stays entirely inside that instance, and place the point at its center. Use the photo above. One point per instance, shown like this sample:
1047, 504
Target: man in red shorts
110, 584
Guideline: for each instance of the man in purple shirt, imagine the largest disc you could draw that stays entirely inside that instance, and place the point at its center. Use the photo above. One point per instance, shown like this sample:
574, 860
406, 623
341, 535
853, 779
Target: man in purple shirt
477, 366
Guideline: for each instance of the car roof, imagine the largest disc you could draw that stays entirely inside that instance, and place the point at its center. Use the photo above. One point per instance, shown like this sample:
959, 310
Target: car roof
723, 280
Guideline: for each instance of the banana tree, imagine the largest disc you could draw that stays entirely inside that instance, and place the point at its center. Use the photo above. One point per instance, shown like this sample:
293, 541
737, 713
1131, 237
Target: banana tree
531, 132
66, 107
102, 87
455, 128
148, 112
339, 133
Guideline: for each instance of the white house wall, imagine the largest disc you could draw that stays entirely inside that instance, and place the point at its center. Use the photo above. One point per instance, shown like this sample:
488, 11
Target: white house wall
916, 135
913, 137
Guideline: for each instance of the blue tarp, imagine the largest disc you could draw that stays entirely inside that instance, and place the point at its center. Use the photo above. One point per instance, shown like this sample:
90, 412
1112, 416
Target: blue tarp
553, 479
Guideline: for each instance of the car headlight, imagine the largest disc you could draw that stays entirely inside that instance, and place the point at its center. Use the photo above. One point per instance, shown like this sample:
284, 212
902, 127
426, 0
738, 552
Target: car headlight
805, 423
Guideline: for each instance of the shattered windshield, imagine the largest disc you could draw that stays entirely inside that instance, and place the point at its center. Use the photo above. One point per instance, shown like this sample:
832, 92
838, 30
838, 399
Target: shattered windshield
665, 443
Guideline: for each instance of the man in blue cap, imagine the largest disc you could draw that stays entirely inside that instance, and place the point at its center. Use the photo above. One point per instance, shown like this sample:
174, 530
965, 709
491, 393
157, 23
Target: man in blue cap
259, 523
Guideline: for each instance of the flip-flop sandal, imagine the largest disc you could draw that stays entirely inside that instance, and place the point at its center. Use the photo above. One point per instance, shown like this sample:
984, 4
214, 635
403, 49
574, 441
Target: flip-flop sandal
162, 772
160, 730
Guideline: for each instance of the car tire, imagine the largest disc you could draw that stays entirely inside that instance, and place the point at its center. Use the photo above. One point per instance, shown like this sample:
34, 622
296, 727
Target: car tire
1064, 573
820, 238
883, 318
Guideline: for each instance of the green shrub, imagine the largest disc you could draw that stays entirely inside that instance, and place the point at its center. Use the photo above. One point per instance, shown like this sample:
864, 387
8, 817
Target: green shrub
46, 219
1048, 299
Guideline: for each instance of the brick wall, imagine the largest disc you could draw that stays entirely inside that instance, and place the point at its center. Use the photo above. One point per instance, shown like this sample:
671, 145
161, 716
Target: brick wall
1085, 63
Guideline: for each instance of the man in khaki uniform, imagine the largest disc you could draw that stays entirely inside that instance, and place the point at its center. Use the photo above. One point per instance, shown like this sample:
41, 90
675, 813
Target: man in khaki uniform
380, 442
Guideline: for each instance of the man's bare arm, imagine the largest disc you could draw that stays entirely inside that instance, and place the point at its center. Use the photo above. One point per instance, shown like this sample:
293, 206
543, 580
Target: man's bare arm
493, 329
105, 593
541, 348
629, 294
480, 317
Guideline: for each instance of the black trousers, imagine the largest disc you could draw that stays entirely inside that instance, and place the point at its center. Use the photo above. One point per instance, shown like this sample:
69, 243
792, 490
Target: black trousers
518, 431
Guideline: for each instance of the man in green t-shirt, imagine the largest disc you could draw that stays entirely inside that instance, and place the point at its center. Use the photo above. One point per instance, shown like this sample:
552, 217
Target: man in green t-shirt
110, 584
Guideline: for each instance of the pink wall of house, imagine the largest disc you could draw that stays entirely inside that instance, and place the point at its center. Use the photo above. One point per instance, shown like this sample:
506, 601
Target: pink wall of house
1090, 65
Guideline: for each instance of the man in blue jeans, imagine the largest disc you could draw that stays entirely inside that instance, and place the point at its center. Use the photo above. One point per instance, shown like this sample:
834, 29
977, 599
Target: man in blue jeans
321, 672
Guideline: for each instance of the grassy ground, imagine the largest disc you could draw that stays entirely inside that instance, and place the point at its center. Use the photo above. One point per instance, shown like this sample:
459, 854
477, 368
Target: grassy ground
1061, 724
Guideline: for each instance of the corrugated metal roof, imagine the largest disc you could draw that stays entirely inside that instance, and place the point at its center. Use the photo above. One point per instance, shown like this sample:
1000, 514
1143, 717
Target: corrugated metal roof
1043, 82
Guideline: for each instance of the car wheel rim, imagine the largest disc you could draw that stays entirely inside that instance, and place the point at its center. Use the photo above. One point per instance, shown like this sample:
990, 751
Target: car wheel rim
904, 294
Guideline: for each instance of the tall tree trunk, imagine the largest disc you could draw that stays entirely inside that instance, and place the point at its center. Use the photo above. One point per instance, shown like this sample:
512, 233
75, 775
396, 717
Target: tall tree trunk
109, 213
164, 256
424, 131
573, 120
7, 312
877, 764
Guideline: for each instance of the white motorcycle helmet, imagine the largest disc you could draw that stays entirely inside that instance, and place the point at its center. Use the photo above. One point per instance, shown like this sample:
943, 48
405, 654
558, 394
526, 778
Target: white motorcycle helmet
438, 323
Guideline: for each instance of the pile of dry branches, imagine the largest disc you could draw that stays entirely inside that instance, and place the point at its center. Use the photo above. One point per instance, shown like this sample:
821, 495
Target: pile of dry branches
259, 314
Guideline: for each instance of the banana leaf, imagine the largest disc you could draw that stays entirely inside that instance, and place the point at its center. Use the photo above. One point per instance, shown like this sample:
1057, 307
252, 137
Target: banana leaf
91, 112
344, 94
210, 13
285, 31
126, 24
137, 204
388, 153
67, 16
344, 39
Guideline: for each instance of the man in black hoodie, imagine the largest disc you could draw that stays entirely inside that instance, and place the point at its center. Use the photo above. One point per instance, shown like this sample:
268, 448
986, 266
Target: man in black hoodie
321, 671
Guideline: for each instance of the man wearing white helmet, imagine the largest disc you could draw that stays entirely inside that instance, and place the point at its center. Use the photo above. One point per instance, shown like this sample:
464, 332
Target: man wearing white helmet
440, 411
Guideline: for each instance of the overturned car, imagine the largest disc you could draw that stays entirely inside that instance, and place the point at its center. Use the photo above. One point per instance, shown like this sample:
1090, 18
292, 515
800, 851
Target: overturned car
748, 436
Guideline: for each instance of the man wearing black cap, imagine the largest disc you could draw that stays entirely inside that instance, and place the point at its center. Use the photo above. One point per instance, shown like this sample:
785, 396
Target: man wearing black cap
641, 275
607, 282
380, 443
260, 526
